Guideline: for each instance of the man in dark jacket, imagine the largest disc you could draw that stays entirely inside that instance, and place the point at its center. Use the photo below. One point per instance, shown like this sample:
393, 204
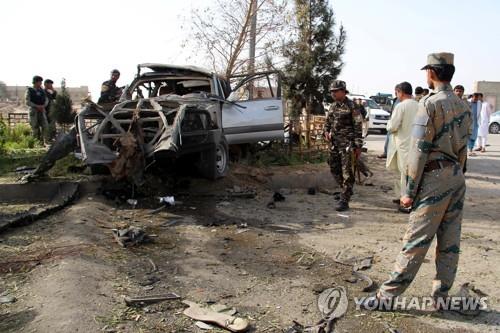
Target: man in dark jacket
37, 102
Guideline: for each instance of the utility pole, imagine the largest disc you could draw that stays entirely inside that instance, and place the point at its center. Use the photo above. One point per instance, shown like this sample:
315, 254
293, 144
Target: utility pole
251, 58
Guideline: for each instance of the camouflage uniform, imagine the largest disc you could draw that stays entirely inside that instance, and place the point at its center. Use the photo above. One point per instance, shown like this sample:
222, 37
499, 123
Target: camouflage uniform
344, 124
38, 119
109, 92
436, 184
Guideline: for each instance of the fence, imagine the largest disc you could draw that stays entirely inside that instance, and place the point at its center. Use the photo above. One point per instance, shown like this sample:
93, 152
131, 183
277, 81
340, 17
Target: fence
16, 118
299, 129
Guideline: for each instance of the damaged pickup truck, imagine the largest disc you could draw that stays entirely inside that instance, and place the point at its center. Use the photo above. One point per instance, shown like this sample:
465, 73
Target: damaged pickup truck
170, 111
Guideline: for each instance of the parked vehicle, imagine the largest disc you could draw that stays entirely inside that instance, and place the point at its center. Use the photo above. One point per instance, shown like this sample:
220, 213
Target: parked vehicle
494, 127
377, 117
170, 111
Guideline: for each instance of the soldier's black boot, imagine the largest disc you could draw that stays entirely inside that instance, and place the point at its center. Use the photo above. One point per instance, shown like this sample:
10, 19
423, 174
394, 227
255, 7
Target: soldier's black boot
342, 205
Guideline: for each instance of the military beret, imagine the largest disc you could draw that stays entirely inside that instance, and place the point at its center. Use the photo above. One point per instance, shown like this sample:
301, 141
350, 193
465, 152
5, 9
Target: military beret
439, 59
337, 85
48, 81
37, 78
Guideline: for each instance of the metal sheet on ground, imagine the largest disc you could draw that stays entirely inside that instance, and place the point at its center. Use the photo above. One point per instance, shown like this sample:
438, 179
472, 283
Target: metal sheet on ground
25, 203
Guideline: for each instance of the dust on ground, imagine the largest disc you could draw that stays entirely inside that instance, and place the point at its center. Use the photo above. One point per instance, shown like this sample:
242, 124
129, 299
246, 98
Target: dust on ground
68, 273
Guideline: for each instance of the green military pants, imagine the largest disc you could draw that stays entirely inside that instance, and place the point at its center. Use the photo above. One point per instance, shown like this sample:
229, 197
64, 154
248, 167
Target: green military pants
340, 162
39, 124
437, 210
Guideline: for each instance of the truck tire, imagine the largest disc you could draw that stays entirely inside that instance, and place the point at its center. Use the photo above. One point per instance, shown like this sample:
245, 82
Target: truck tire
215, 162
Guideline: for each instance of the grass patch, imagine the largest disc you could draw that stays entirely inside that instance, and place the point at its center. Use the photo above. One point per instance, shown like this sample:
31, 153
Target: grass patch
18, 138
9, 163
280, 156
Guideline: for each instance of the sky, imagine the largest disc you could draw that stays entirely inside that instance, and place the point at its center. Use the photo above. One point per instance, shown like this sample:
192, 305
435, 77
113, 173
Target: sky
388, 41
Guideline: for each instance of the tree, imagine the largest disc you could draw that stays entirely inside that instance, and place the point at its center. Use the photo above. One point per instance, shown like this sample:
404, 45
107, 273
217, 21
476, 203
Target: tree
222, 32
62, 108
314, 57
3, 90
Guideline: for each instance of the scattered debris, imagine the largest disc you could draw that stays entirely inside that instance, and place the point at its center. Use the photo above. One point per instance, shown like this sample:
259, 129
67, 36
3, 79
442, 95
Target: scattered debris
363, 264
7, 299
343, 215
203, 325
242, 231
242, 225
244, 193
150, 280
153, 265
50, 197
361, 276
278, 197
285, 191
467, 291
271, 205
132, 202
130, 236
141, 300
385, 188
311, 191
25, 169
390, 329
231, 323
169, 201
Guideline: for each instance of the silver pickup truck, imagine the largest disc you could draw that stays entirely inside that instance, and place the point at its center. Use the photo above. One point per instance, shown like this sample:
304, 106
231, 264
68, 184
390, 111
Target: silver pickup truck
170, 111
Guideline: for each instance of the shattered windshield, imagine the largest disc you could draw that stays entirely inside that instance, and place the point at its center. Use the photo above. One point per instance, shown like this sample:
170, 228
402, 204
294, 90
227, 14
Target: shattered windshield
170, 86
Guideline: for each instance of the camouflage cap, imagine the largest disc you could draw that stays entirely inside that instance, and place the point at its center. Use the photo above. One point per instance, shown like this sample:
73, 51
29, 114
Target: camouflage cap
437, 59
337, 85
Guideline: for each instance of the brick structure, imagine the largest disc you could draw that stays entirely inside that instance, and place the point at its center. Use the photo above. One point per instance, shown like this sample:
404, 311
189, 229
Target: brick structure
491, 92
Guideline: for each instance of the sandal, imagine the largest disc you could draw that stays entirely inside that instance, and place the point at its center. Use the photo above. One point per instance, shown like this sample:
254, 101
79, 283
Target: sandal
233, 324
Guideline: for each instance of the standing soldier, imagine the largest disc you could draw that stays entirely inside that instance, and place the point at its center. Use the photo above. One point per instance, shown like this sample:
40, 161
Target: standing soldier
51, 96
344, 130
435, 186
110, 93
37, 102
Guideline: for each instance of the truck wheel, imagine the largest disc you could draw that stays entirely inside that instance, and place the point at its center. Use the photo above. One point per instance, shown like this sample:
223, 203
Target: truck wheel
215, 162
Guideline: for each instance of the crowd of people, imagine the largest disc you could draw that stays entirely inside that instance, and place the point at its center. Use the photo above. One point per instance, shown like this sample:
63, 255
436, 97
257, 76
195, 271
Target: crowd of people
39, 100
399, 126
427, 145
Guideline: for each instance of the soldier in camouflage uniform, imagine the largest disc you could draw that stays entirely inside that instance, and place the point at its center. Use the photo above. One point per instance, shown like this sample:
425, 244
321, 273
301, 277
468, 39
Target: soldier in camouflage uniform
344, 130
37, 102
435, 183
110, 93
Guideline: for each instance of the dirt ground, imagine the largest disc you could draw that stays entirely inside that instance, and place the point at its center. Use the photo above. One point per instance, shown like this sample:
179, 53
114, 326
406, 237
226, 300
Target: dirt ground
69, 275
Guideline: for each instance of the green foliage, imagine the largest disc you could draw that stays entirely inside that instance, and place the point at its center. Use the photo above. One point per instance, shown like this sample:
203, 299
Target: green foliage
17, 138
62, 108
3, 136
314, 56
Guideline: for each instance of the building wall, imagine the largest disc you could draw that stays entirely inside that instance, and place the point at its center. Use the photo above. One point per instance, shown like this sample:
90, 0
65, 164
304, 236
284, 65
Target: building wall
16, 93
491, 92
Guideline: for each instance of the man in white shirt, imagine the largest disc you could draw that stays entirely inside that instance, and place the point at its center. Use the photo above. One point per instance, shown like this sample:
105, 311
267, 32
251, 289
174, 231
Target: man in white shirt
399, 128
483, 120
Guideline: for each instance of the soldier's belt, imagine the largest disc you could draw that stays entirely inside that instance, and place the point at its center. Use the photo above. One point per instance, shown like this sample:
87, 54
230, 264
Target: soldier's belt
435, 164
